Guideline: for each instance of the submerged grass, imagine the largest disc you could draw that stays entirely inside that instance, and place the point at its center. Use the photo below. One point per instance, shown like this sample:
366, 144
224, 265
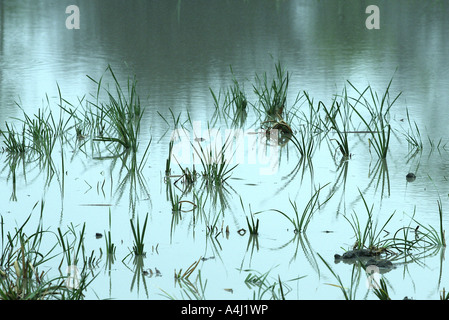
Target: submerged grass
381, 290
192, 290
23, 258
340, 129
215, 162
122, 114
238, 101
264, 289
273, 95
433, 236
302, 219
406, 242
14, 142
367, 236
348, 293
185, 276
413, 135
139, 236
110, 247
253, 226
231, 103
377, 122
117, 123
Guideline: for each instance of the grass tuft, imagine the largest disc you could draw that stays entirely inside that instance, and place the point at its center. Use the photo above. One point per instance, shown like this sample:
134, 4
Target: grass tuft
376, 121
139, 235
273, 96
302, 219
121, 115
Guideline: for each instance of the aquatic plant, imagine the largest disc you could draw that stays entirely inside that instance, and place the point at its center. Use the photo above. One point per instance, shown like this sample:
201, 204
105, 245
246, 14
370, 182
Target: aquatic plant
349, 293
381, 290
193, 290
22, 252
438, 146
168, 161
239, 104
77, 280
215, 162
139, 274
110, 247
139, 235
260, 281
380, 175
253, 227
41, 130
302, 219
444, 295
122, 114
14, 142
212, 229
432, 237
367, 236
272, 96
413, 135
188, 176
341, 130
406, 242
311, 118
221, 105
22, 257
442, 238
174, 125
179, 275
174, 199
305, 144
238, 100
233, 106
377, 123
72, 250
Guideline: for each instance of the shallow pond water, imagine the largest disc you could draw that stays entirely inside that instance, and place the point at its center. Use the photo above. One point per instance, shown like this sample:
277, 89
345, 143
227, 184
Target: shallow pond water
179, 51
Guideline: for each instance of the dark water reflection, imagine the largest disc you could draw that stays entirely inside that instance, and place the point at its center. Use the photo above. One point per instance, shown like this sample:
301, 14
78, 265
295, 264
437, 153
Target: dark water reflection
179, 49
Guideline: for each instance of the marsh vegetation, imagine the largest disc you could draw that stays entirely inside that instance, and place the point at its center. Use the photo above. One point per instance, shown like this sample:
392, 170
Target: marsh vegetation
200, 194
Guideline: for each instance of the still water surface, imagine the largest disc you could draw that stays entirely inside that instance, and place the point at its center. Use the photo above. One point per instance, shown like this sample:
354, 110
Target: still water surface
179, 50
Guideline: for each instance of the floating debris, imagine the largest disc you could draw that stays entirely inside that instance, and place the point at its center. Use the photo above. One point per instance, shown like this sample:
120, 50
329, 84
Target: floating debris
241, 232
150, 273
410, 177
205, 259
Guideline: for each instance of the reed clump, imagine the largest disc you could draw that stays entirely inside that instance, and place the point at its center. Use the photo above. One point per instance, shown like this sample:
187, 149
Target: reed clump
121, 115
23, 259
273, 95
139, 236
301, 220
14, 142
231, 103
215, 162
376, 116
